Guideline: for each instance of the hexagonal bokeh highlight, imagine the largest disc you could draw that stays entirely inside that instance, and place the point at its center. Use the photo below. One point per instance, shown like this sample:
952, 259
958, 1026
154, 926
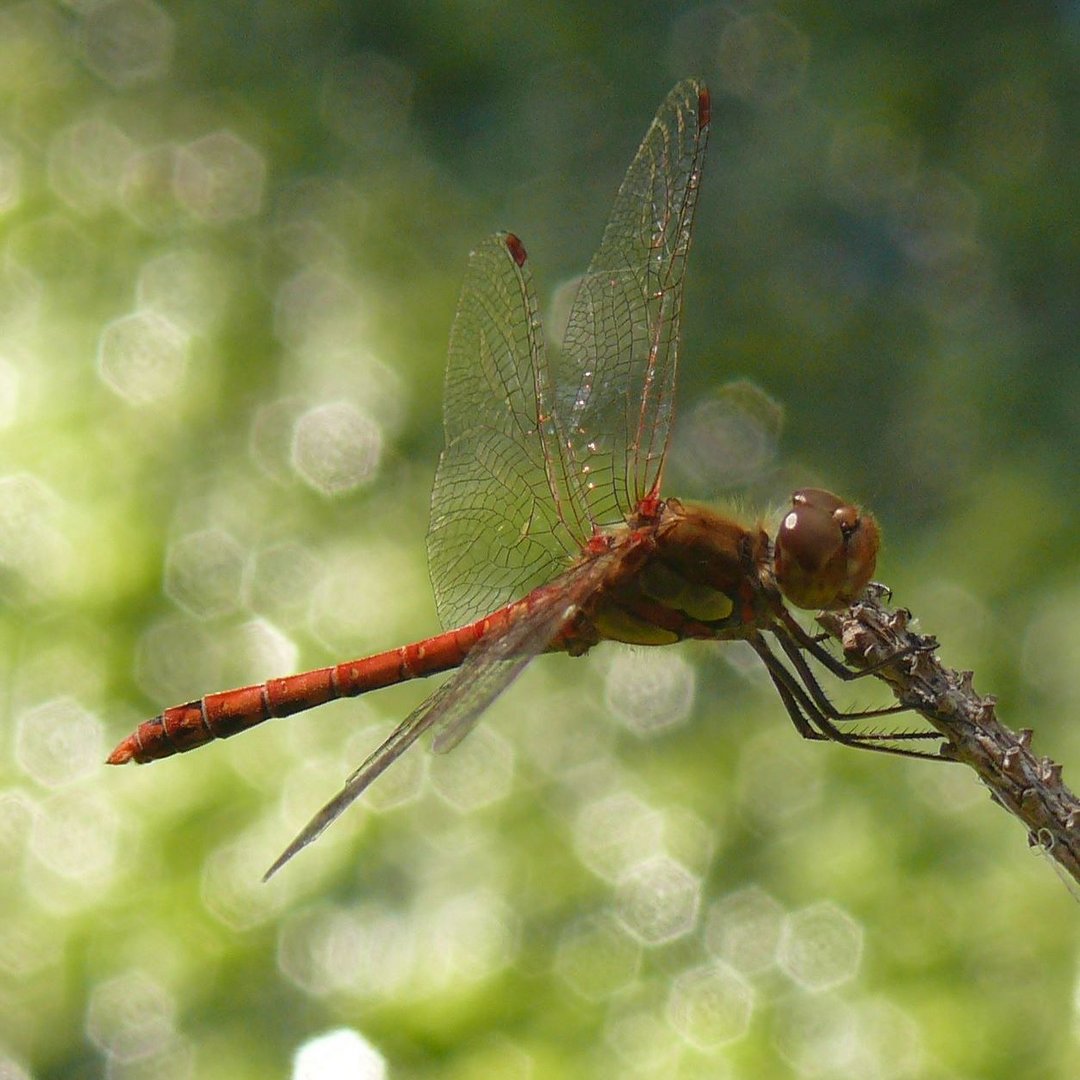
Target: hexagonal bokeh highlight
31, 541
596, 959
362, 597
820, 947
75, 835
367, 950
649, 691
219, 178
343, 1054
280, 580
776, 781
270, 437
730, 438
320, 948
58, 741
1050, 644
232, 889
336, 448
189, 287
147, 192
17, 812
142, 357
473, 935
710, 1005
887, 1042
130, 1015
31, 942
689, 838
558, 737
319, 309
616, 832
176, 658
87, 161
643, 1041
657, 901
743, 929
251, 651
204, 573
476, 774
818, 1037
126, 42
173, 1059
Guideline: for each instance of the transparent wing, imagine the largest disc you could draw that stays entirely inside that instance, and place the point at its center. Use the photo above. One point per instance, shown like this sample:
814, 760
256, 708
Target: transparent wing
532, 465
616, 374
493, 664
497, 525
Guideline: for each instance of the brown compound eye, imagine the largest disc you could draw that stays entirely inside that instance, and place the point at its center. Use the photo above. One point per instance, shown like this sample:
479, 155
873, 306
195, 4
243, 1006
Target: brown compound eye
826, 550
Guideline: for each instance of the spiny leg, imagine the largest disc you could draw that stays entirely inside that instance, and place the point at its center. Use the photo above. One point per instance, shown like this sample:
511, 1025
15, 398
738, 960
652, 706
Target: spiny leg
812, 644
813, 687
812, 723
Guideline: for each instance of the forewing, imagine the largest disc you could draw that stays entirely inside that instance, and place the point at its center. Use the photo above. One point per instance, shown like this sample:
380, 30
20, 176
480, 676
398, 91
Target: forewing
492, 665
616, 374
496, 508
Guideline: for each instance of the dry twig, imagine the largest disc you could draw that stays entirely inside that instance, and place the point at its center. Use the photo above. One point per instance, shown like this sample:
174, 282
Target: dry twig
1031, 788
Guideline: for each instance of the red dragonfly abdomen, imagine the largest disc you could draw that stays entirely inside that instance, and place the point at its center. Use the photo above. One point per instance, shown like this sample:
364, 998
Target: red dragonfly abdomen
217, 716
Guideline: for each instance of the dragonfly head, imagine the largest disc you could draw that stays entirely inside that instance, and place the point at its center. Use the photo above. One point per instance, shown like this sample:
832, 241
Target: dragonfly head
826, 550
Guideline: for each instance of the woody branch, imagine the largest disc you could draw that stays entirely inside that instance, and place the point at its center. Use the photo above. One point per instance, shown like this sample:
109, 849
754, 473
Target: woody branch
1027, 786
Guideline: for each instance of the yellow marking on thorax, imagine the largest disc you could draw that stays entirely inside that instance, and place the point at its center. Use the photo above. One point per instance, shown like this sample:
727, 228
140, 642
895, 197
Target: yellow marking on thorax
700, 602
658, 584
615, 624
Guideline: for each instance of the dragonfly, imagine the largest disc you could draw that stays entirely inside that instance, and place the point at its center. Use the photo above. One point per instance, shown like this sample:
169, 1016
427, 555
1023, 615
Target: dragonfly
548, 532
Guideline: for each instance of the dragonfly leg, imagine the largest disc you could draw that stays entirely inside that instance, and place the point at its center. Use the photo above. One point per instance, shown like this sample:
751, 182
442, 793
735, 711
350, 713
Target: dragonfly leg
812, 644
810, 683
815, 723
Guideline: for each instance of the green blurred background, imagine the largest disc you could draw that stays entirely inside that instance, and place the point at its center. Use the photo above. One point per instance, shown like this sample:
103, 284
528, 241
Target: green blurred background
231, 240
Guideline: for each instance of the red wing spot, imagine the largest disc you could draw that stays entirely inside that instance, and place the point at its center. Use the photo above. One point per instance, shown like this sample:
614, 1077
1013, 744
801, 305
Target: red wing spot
516, 249
704, 109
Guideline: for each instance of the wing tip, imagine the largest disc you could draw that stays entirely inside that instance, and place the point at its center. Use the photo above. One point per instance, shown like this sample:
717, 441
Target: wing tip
516, 248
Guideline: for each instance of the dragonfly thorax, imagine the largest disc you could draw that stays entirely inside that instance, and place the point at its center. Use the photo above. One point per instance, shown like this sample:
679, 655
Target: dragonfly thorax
689, 572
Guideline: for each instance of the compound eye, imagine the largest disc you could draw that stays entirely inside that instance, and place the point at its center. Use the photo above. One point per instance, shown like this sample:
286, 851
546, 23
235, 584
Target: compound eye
806, 558
826, 550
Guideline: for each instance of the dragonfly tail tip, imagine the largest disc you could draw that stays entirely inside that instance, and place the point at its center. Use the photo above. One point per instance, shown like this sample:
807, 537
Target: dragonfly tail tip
122, 754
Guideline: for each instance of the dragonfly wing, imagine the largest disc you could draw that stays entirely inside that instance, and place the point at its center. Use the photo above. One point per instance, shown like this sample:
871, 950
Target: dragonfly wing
550, 607
496, 508
616, 378
492, 665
